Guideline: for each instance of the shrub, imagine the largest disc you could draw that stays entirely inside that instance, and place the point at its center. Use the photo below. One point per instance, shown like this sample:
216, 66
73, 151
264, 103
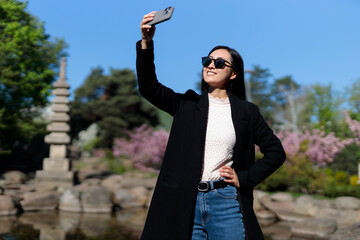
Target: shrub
347, 159
354, 180
341, 178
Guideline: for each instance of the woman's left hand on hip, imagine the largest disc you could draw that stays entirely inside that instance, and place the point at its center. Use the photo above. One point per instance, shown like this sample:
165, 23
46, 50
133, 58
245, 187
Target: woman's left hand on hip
230, 175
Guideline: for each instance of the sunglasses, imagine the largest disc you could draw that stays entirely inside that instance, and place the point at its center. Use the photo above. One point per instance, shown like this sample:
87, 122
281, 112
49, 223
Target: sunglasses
218, 63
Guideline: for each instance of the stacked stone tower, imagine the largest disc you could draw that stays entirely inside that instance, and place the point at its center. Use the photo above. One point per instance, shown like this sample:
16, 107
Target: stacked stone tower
57, 168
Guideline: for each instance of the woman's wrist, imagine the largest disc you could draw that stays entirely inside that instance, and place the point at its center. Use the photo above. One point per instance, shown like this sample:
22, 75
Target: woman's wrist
144, 44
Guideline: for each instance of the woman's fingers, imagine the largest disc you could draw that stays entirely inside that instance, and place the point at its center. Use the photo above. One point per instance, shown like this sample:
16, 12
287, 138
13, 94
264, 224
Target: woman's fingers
230, 175
147, 31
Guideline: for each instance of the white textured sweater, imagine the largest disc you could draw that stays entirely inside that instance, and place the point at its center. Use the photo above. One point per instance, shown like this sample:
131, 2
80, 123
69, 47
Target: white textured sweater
220, 138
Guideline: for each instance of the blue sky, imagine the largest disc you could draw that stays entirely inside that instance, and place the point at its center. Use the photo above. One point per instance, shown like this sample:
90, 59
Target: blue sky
313, 41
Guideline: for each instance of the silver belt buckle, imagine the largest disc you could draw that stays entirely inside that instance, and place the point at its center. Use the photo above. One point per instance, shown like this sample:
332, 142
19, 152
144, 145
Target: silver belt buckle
203, 184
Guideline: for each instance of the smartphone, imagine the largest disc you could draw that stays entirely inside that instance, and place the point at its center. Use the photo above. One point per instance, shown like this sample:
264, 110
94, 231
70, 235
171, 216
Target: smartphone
162, 16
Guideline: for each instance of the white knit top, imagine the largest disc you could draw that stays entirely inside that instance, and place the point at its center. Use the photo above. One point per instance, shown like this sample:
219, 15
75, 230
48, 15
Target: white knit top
220, 138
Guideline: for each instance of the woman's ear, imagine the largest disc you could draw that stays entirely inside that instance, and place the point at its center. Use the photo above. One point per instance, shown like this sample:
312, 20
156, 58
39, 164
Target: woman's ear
233, 75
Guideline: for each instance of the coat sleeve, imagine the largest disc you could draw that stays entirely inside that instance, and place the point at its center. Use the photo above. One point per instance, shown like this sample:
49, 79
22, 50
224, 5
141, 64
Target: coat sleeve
150, 88
270, 146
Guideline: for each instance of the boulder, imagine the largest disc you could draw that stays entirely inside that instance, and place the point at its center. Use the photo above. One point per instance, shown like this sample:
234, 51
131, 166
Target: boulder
284, 210
7, 206
70, 201
38, 201
350, 203
277, 231
15, 177
113, 183
348, 218
282, 197
258, 195
96, 199
266, 218
349, 233
131, 182
305, 205
124, 199
141, 194
313, 228
149, 198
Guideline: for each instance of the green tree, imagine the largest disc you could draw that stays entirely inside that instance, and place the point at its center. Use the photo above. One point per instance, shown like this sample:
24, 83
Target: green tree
28, 64
258, 91
113, 102
325, 104
353, 97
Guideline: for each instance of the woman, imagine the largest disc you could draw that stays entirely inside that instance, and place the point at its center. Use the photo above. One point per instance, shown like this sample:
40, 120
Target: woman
206, 181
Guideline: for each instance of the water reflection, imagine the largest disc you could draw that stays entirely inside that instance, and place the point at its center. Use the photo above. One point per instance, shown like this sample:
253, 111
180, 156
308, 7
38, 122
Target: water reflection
125, 224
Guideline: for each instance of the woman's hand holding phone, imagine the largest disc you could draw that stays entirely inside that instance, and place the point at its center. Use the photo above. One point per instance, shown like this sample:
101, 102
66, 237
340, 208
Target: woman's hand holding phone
147, 31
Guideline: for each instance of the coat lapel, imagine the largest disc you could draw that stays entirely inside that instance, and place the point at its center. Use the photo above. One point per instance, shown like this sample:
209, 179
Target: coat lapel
203, 109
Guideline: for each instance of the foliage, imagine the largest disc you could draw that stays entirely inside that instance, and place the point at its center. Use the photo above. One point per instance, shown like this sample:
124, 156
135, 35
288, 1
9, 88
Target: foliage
354, 179
112, 101
354, 98
347, 159
341, 178
325, 104
259, 92
145, 147
28, 60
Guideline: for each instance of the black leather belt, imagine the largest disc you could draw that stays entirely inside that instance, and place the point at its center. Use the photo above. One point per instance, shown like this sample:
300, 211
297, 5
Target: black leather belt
205, 186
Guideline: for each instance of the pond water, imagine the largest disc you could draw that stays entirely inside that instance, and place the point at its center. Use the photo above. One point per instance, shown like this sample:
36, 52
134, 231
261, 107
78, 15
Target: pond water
122, 225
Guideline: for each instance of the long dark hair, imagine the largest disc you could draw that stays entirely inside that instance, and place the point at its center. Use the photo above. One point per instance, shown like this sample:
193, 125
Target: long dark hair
237, 85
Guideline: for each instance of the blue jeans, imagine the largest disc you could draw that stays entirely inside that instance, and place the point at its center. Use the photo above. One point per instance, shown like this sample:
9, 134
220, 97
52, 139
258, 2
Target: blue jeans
218, 216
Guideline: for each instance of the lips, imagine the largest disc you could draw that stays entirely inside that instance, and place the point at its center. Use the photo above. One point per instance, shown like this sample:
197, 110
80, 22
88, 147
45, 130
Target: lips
210, 73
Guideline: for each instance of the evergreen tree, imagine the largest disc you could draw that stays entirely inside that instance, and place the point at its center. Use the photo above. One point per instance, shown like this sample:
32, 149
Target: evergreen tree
258, 92
113, 102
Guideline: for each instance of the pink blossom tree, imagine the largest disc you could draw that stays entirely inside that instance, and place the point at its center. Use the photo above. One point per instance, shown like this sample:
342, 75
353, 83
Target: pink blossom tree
145, 147
319, 146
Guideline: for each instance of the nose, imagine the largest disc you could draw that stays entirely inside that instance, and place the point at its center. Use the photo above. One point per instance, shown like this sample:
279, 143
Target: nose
212, 64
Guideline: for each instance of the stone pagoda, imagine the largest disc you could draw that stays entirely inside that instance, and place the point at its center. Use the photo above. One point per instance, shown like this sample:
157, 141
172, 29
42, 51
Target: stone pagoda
57, 168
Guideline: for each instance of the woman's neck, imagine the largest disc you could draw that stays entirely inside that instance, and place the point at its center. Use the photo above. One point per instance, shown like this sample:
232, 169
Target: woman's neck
218, 93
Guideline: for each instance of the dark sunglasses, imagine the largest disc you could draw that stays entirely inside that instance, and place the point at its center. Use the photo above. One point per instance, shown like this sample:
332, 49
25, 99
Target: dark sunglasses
218, 63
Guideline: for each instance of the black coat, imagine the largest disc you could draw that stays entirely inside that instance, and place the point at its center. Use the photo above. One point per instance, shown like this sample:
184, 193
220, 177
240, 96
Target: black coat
171, 211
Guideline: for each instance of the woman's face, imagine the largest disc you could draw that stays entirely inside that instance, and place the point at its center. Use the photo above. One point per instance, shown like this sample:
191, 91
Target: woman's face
219, 77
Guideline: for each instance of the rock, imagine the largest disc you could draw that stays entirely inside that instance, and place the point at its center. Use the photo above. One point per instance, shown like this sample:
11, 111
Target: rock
132, 182
15, 177
140, 194
277, 231
113, 183
282, 197
266, 218
125, 200
350, 233
37, 201
96, 199
350, 203
348, 218
305, 205
313, 228
258, 195
7, 206
284, 210
70, 201
149, 198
